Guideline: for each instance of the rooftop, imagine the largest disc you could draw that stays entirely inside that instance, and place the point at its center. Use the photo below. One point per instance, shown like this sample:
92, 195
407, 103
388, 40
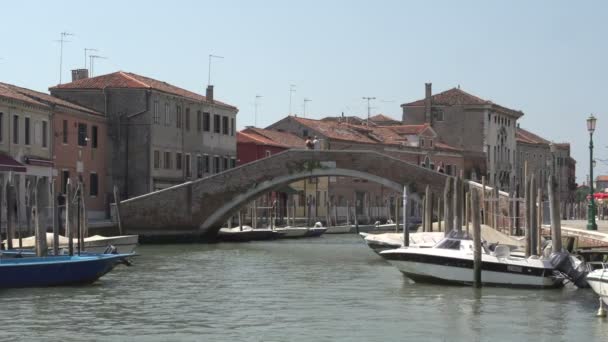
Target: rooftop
270, 137
122, 79
44, 99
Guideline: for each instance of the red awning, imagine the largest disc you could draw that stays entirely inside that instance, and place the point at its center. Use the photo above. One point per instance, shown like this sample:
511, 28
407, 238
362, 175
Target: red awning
600, 195
7, 163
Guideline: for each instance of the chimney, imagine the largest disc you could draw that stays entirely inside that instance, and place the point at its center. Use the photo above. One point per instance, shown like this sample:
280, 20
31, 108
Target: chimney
427, 102
79, 74
210, 93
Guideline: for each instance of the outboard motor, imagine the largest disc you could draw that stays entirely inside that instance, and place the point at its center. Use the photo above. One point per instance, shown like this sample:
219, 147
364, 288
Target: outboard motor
571, 268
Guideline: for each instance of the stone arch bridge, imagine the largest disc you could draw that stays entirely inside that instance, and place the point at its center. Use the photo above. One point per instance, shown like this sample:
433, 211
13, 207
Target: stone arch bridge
201, 206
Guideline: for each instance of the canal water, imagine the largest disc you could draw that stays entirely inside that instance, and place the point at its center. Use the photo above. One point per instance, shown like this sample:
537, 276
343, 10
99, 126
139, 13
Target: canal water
331, 288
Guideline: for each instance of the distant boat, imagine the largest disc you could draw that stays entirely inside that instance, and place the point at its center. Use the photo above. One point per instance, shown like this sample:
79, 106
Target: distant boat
57, 270
292, 232
124, 244
451, 262
385, 241
317, 230
344, 229
247, 234
598, 280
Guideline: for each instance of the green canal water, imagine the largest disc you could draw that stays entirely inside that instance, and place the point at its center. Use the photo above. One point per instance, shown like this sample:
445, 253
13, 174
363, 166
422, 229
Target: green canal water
331, 288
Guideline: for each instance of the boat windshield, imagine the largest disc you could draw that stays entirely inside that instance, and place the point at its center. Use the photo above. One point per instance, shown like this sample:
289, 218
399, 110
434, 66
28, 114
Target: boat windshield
449, 244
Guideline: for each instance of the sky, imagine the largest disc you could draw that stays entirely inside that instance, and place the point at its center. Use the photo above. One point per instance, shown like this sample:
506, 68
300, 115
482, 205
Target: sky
546, 58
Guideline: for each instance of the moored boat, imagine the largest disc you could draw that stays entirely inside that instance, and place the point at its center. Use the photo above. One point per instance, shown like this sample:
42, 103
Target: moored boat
124, 244
247, 234
598, 280
292, 232
57, 270
386, 241
451, 262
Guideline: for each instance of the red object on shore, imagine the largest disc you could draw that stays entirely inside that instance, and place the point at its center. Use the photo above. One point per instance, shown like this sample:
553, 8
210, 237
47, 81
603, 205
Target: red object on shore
600, 195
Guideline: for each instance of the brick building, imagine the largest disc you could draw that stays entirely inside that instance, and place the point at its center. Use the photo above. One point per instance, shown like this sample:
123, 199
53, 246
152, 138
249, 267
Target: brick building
158, 134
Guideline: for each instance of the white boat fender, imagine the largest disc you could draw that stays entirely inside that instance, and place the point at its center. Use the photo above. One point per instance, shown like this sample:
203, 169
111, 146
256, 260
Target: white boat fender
318, 225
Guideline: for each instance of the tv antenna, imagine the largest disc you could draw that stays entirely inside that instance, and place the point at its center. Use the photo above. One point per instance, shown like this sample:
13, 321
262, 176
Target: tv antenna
292, 89
209, 74
368, 106
92, 62
305, 101
62, 40
86, 50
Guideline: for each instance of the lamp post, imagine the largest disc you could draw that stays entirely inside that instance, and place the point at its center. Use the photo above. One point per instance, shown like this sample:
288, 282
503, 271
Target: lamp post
591, 225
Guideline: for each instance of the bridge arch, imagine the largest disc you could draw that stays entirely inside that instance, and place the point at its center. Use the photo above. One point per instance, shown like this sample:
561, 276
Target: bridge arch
200, 206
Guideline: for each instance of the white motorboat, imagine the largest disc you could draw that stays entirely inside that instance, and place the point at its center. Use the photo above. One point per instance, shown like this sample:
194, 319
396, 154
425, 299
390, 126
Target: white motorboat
345, 229
598, 280
386, 241
124, 244
451, 261
292, 232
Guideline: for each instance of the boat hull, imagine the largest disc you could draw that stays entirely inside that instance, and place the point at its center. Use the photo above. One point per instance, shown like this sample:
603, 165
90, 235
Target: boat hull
248, 235
444, 270
598, 280
56, 270
292, 232
315, 232
339, 229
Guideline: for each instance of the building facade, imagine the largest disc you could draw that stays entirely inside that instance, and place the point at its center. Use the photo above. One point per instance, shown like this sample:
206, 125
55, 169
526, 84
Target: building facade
26, 148
78, 139
483, 130
159, 135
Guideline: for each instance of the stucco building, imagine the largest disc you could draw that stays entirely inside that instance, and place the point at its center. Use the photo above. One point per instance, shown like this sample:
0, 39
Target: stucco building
159, 135
25, 146
483, 130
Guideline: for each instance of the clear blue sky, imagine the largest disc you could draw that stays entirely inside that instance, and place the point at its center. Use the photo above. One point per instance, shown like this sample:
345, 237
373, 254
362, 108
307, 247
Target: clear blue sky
547, 58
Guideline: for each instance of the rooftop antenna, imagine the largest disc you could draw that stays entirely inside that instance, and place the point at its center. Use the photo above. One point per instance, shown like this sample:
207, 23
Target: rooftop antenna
368, 107
61, 41
209, 74
86, 50
305, 101
292, 89
256, 104
92, 63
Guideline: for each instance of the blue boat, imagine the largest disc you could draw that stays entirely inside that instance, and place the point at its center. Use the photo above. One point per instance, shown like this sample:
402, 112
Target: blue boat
57, 270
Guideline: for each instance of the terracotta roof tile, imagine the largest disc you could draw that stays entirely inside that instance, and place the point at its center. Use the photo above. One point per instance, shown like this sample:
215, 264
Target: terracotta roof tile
526, 136
47, 98
9, 93
379, 118
454, 96
602, 178
275, 138
121, 79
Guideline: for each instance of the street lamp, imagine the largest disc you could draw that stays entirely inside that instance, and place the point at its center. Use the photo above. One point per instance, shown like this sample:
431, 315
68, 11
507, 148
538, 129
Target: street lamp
591, 225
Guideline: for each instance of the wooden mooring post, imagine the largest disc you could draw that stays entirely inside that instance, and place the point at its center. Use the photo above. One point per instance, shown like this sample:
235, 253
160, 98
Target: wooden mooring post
556, 228
69, 230
475, 218
467, 210
56, 219
533, 217
448, 212
483, 206
528, 224
439, 213
540, 212
10, 215
428, 210
406, 232
457, 203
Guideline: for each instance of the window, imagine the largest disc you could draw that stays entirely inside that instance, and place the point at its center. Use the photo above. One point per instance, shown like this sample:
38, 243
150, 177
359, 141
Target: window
216, 164
437, 114
1, 126
188, 166
45, 133
232, 128
94, 136
268, 153
65, 131
305, 133
225, 164
156, 159
199, 121
206, 165
421, 142
232, 163
448, 169
225, 125
178, 117
156, 114
199, 167
178, 161
27, 131
216, 123
187, 119
167, 118
15, 129
206, 122
167, 160
65, 175
93, 184
431, 143
82, 134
